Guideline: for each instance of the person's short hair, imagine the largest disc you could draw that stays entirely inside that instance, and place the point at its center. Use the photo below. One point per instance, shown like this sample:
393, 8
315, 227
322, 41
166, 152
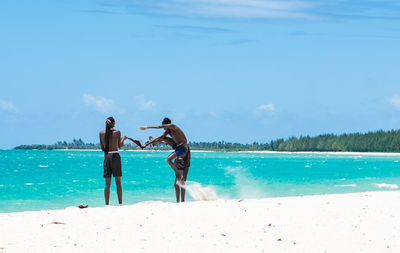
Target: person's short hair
166, 121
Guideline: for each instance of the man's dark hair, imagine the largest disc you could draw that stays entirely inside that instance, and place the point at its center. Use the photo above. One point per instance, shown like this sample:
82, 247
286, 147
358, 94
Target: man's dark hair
166, 121
110, 121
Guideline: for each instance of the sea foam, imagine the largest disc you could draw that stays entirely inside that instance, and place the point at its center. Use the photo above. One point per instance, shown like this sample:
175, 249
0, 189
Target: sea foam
390, 186
346, 185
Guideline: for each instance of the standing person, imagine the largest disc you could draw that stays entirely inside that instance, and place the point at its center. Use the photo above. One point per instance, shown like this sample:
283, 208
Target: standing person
182, 164
110, 141
178, 142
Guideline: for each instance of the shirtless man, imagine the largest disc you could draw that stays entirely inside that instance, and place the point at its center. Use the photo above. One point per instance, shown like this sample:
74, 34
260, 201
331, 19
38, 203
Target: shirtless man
110, 141
181, 163
178, 142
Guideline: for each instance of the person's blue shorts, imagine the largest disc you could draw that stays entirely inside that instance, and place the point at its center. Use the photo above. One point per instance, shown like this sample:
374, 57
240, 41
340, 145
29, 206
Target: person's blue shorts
181, 150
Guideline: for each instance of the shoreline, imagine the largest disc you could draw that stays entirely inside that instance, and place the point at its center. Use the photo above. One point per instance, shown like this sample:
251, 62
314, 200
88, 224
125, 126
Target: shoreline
209, 200
352, 222
325, 153
212, 151
213, 200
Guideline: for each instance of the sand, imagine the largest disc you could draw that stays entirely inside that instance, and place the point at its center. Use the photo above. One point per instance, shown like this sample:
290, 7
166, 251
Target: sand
359, 222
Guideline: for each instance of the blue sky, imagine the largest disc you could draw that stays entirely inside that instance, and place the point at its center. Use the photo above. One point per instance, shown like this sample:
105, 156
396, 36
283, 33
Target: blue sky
233, 70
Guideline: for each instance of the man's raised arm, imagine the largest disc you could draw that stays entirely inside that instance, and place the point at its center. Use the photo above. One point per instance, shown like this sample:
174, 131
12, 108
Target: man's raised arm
166, 126
121, 140
101, 142
157, 140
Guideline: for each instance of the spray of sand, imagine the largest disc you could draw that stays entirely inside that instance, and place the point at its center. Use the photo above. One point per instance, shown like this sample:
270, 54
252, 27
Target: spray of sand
198, 192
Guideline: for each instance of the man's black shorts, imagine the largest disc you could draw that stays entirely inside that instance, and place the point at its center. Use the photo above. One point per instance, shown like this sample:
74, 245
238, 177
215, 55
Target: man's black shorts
112, 165
183, 164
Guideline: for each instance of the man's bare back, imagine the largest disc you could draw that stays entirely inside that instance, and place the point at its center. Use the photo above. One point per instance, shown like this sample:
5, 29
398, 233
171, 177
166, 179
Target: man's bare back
115, 140
176, 134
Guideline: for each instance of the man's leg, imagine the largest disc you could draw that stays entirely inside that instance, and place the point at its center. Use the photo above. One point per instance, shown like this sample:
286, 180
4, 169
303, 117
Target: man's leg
169, 159
154, 142
176, 190
168, 141
183, 191
107, 190
119, 189
157, 141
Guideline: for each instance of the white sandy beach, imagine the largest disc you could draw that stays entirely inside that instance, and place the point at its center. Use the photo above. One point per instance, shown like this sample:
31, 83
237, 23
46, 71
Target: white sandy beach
360, 222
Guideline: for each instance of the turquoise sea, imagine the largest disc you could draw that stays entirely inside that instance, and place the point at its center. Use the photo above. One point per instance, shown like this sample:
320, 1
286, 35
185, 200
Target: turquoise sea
38, 180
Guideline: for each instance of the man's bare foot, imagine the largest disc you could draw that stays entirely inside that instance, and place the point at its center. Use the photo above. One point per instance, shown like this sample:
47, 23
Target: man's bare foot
150, 140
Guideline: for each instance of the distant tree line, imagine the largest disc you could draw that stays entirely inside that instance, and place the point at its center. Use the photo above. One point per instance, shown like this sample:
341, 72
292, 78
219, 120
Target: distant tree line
378, 141
75, 144
227, 146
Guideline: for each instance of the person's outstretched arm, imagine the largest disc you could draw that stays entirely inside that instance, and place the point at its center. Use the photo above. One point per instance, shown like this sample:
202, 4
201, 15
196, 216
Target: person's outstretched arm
157, 140
121, 140
166, 126
101, 142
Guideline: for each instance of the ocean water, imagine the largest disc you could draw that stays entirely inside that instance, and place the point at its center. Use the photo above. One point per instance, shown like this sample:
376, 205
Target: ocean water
39, 180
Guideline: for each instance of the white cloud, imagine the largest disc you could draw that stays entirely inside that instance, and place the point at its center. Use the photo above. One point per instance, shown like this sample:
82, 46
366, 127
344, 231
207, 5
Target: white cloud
145, 105
99, 103
265, 108
7, 106
395, 101
229, 8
